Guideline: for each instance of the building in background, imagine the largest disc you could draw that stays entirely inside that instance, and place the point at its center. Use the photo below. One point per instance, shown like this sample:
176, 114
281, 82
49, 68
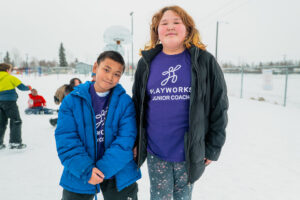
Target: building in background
83, 68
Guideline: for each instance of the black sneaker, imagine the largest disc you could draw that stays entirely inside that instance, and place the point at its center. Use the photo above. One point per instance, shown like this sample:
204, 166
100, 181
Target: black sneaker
2, 146
17, 146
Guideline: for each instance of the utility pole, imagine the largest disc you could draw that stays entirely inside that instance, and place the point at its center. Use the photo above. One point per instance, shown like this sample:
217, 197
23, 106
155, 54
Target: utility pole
286, 80
217, 35
26, 59
128, 61
132, 65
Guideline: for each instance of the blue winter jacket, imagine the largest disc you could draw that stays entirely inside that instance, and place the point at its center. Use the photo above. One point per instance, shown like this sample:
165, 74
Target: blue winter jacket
76, 140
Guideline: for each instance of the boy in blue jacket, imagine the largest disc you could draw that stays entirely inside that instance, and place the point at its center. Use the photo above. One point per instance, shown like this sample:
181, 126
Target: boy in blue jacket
95, 134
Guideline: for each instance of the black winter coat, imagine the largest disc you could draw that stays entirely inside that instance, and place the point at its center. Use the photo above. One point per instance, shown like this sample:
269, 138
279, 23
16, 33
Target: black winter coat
207, 112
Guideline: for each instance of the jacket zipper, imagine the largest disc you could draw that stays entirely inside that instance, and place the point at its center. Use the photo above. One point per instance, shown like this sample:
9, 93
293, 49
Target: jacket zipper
142, 110
190, 108
103, 131
94, 133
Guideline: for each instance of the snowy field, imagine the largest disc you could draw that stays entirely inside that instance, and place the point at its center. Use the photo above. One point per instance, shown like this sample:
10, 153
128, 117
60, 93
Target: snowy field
260, 160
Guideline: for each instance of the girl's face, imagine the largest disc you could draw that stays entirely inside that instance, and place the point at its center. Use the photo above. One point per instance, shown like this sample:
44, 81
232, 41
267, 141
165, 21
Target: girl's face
171, 31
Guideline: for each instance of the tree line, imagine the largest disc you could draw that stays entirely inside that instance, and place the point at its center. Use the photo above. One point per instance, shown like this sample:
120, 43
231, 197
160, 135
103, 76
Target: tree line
228, 65
45, 63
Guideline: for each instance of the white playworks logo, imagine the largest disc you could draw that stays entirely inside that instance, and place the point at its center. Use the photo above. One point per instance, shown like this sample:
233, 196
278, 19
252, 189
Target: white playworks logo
171, 75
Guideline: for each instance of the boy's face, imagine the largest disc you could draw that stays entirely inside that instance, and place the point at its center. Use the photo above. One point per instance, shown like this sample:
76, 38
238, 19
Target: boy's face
34, 92
108, 74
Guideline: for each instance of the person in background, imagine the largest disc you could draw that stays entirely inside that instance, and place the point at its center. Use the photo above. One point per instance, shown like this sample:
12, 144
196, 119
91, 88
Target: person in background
37, 104
181, 102
74, 82
63, 91
95, 134
93, 77
9, 108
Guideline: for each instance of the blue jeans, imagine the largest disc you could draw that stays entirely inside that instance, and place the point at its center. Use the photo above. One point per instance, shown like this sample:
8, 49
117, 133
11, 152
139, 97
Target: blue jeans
168, 179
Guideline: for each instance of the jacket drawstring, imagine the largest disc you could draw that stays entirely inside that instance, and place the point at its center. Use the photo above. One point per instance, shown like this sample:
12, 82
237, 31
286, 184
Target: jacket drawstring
96, 193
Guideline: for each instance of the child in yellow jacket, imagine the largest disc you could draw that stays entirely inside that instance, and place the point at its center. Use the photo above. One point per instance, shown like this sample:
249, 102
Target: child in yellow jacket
9, 108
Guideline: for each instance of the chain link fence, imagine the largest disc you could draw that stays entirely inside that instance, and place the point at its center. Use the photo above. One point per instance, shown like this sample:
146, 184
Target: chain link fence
274, 84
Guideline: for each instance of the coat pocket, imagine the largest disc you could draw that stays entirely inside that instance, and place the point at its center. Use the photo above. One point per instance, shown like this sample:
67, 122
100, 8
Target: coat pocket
197, 152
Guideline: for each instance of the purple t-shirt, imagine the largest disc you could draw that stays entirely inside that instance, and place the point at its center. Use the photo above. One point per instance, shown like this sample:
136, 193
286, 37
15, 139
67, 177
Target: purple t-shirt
100, 106
168, 90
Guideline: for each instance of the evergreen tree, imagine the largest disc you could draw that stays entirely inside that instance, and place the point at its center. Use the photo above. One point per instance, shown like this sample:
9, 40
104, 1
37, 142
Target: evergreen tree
6, 59
62, 56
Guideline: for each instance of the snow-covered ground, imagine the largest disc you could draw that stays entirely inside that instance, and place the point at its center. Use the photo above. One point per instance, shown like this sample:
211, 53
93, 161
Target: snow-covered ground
260, 160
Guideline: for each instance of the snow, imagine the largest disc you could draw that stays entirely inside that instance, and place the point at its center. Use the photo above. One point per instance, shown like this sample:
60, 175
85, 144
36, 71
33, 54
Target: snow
260, 159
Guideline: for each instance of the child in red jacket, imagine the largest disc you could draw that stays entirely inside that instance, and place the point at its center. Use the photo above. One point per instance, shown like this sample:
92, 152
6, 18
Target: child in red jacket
36, 100
37, 104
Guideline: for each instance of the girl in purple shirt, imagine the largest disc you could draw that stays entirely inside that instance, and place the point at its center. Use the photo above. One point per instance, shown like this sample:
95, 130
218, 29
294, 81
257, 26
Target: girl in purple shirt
181, 102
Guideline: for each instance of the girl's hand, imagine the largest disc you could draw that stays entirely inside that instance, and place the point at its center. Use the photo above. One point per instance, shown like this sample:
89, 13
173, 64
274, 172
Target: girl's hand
97, 177
207, 162
134, 152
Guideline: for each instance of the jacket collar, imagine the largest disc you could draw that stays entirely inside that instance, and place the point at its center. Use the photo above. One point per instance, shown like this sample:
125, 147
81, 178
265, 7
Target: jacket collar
82, 90
148, 55
3, 74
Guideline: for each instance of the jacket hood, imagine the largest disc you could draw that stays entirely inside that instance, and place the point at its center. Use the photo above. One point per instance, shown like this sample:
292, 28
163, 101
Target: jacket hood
3, 75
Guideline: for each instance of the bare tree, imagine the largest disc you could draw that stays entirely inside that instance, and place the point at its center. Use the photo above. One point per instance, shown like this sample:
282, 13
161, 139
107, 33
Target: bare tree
16, 57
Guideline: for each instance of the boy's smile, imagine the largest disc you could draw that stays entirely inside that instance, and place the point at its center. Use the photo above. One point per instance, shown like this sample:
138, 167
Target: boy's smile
108, 74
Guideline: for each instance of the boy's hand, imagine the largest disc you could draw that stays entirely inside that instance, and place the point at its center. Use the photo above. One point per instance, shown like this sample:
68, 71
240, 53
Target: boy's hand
97, 177
30, 88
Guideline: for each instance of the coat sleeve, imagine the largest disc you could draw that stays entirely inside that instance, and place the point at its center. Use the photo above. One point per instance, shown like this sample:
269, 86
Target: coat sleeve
70, 148
43, 101
215, 138
136, 89
23, 87
136, 94
120, 152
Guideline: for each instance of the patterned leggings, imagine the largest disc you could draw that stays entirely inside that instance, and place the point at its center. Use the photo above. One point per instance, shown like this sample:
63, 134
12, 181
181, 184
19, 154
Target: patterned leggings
168, 179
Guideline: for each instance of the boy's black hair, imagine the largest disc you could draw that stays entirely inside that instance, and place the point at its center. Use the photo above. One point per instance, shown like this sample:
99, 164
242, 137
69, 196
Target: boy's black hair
114, 55
4, 67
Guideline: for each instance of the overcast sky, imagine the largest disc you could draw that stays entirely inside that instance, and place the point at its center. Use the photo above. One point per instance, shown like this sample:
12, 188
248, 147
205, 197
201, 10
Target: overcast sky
250, 30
